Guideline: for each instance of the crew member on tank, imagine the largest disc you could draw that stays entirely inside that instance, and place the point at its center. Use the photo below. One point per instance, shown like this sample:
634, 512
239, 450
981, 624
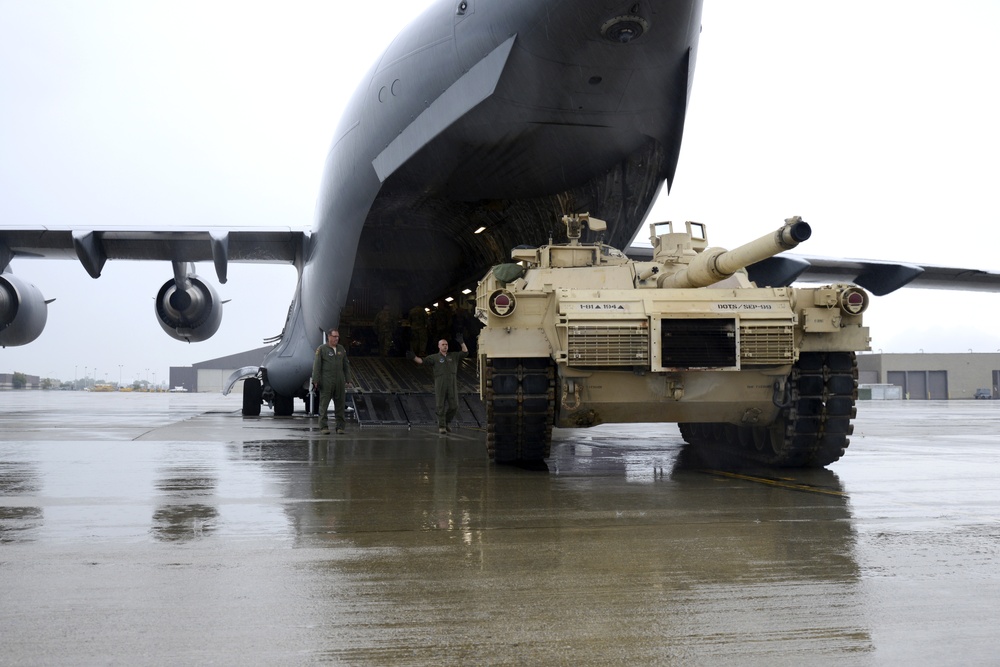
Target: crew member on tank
445, 379
331, 375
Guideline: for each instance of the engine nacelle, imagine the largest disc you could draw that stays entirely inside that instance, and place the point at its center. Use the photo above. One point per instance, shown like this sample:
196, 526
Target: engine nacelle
23, 311
191, 315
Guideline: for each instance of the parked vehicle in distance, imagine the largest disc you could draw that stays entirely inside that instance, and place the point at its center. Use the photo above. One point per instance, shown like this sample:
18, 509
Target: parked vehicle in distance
983, 392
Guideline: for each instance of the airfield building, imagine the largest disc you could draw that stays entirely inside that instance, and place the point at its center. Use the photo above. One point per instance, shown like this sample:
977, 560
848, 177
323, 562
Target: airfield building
210, 376
933, 376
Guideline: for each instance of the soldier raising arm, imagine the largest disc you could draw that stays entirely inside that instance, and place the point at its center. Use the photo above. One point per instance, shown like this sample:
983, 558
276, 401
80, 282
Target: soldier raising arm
445, 379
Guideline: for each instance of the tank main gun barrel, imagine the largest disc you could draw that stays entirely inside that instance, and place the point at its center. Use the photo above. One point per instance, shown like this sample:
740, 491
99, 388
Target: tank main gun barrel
715, 264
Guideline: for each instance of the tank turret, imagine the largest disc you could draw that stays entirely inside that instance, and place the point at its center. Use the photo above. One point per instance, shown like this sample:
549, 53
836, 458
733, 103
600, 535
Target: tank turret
688, 263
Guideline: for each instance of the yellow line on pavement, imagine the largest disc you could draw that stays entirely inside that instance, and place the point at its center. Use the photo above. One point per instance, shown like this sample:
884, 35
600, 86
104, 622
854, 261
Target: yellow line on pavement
778, 483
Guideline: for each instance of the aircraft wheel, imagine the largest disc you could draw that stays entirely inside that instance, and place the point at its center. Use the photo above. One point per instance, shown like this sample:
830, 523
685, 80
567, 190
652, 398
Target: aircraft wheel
283, 405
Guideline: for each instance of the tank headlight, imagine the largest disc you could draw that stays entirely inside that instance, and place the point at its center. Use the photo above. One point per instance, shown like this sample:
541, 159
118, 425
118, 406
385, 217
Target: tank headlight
502, 303
853, 301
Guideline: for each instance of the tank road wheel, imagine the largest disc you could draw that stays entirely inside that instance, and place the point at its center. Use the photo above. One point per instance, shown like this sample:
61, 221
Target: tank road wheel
812, 430
520, 408
252, 396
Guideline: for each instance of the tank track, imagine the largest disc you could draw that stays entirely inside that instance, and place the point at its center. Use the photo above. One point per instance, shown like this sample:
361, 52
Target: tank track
520, 408
812, 428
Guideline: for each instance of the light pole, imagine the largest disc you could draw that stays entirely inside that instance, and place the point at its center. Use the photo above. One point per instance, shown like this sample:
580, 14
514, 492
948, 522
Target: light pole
120, 377
74, 378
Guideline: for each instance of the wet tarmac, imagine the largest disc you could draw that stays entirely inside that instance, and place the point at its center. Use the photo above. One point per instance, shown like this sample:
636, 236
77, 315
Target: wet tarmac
156, 529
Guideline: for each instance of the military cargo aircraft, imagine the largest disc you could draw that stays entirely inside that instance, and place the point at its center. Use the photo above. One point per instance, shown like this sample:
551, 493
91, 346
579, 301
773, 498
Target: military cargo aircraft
482, 122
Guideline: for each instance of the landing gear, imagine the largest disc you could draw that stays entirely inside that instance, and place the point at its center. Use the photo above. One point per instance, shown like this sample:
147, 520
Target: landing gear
312, 402
812, 428
283, 405
520, 408
252, 397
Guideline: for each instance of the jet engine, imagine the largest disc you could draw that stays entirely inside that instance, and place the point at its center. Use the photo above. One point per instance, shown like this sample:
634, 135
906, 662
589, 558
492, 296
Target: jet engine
188, 309
23, 311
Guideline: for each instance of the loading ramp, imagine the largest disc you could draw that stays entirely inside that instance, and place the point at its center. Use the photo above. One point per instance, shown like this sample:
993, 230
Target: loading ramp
397, 393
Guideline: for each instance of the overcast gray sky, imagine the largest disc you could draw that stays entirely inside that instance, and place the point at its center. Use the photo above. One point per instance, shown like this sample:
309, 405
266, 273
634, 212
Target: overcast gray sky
874, 120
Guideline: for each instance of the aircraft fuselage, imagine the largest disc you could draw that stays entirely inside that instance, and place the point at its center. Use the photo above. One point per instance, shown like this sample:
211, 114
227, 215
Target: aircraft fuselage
489, 114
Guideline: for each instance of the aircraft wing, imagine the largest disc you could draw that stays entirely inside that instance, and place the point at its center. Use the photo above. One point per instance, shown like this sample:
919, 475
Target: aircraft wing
877, 276
93, 247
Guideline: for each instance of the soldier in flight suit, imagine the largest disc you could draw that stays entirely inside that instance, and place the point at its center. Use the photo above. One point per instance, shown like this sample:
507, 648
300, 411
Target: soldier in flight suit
445, 379
331, 374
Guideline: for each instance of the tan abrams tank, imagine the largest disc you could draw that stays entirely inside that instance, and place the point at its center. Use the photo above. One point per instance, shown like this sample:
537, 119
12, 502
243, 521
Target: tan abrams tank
578, 334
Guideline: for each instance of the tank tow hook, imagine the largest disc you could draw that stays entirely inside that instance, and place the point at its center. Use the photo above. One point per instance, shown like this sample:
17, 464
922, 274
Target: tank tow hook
570, 387
675, 389
782, 396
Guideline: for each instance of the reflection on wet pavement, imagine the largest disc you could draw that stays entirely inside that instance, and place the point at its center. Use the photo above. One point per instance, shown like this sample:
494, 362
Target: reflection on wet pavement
18, 478
209, 537
180, 516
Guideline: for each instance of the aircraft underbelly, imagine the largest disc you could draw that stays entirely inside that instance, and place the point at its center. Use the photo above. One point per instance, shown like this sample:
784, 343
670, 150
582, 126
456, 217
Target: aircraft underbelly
546, 129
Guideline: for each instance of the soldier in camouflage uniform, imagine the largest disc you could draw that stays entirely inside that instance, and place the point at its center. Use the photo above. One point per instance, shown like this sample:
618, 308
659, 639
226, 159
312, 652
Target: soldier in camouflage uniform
331, 375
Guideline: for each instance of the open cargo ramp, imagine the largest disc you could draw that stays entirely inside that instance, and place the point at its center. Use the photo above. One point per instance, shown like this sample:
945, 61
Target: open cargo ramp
395, 392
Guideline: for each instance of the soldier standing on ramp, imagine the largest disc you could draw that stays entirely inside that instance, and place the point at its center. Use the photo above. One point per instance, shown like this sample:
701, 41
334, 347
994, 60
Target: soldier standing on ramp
445, 379
331, 374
